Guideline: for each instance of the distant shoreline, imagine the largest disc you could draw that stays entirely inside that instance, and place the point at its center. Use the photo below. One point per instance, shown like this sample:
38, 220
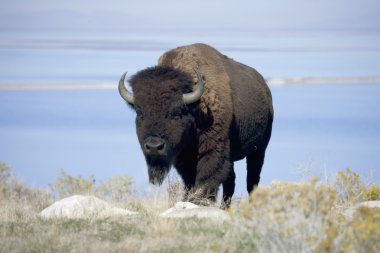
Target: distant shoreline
58, 86
110, 85
321, 80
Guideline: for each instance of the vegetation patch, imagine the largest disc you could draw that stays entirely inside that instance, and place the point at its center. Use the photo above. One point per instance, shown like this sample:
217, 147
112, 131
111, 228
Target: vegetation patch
280, 217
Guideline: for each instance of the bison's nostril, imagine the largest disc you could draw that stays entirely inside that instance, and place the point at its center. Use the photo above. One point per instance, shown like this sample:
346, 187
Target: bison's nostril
161, 146
154, 146
158, 146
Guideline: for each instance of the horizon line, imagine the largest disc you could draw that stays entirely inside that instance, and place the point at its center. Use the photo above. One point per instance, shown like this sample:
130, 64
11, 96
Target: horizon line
271, 81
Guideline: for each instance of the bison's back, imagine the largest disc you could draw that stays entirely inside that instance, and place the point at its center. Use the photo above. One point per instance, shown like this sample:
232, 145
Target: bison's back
252, 107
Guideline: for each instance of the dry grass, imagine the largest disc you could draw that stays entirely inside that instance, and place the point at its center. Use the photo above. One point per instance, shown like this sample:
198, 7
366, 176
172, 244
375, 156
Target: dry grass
281, 217
307, 217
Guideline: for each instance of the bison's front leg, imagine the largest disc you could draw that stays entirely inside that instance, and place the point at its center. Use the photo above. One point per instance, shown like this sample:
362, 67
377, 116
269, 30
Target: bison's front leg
186, 166
213, 169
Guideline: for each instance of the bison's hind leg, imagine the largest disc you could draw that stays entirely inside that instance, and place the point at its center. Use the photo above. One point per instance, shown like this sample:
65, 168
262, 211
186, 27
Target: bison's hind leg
255, 161
228, 188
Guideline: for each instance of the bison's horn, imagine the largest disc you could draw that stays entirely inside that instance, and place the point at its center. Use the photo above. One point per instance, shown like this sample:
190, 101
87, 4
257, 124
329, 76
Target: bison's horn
124, 93
194, 96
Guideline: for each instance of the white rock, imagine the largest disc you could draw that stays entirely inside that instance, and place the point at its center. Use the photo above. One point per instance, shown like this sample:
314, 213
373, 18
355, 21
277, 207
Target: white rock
83, 207
187, 210
349, 212
370, 204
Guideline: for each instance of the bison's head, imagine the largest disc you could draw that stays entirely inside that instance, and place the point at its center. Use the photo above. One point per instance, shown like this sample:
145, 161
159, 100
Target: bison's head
165, 105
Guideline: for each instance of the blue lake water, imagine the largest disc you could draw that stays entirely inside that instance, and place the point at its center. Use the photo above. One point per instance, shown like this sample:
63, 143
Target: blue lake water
318, 129
60, 57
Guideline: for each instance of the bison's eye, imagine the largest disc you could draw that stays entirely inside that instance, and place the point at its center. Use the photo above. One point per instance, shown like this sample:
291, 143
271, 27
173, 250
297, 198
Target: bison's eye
175, 114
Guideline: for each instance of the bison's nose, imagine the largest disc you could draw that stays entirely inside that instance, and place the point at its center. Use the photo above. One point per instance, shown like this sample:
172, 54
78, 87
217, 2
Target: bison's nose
154, 146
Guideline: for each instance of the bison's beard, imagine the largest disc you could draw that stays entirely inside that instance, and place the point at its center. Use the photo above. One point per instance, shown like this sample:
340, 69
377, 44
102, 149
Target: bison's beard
158, 168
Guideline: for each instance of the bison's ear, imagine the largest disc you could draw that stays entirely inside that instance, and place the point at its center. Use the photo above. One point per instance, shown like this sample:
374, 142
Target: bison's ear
132, 106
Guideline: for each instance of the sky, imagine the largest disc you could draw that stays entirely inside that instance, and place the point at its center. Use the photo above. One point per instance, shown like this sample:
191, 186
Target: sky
125, 15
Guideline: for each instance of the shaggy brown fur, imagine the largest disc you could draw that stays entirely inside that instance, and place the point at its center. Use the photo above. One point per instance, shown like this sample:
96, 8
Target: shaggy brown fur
232, 120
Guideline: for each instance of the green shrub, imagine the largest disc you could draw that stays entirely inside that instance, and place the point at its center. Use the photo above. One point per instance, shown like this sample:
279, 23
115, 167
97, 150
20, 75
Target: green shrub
66, 185
349, 186
364, 230
352, 189
308, 217
18, 201
116, 188
287, 217
371, 192
5, 173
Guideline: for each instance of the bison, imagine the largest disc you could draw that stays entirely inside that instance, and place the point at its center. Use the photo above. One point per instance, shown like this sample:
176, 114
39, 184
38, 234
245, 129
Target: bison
200, 111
